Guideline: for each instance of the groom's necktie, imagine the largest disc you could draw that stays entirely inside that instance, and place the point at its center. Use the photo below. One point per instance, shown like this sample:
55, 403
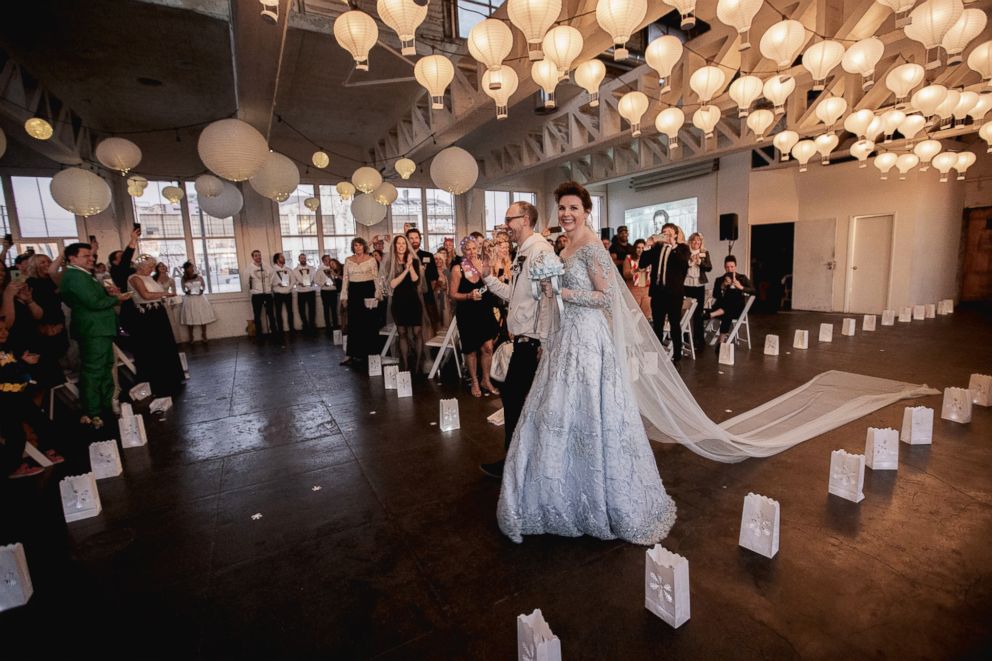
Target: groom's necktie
665, 251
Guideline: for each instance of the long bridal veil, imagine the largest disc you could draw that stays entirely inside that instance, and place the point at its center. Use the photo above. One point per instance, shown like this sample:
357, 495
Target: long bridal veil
672, 414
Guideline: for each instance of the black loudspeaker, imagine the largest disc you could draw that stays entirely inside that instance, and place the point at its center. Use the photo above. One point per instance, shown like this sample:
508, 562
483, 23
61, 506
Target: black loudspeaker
604, 233
728, 226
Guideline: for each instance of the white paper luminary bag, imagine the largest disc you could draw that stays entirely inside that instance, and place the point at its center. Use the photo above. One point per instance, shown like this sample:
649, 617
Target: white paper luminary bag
404, 386
449, 415
801, 341
957, 405
105, 459
931, 311
535, 642
15, 580
336, 336
726, 353
80, 498
848, 327
771, 345
888, 317
140, 392
826, 333
760, 521
868, 323
905, 314
919, 312
847, 475
389, 373
917, 425
375, 364
882, 449
666, 585
132, 428
980, 386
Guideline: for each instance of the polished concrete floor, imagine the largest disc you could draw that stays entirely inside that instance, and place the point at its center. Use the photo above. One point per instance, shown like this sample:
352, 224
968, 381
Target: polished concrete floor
397, 555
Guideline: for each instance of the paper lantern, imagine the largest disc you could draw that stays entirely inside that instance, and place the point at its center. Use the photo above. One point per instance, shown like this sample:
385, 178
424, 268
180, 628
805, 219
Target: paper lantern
38, 128
979, 60
759, 122
620, 18
225, 205
903, 79
277, 178
885, 162
669, 121
561, 45
964, 161
829, 110
705, 119
385, 194
403, 17
857, 122
489, 42
454, 170
926, 150
356, 32
946, 108
825, 144
966, 101
533, 18
136, 185
545, 74
821, 58
784, 141
782, 41
745, 91
981, 108
891, 119
589, 76
944, 161
173, 194
434, 73
928, 98
320, 159
929, 22
118, 154
366, 179
802, 152
905, 163
687, 9
777, 89
367, 211
80, 192
861, 59
874, 129
661, 55
405, 168
502, 95
345, 190
739, 14
861, 150
969, 25
311, 203
707, 82
232, 149
985, 133
207, 185
900, 8
632, 107
912, 125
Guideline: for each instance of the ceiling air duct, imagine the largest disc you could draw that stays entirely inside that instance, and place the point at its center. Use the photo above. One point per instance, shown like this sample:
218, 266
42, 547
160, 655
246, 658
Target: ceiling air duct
671, 175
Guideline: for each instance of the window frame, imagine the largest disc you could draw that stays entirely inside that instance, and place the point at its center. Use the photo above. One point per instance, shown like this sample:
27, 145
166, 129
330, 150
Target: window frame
477, 6
499, 218
13, 221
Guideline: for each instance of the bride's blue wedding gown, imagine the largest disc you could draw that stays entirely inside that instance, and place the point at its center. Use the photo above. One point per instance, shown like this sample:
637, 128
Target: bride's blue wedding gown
580, 462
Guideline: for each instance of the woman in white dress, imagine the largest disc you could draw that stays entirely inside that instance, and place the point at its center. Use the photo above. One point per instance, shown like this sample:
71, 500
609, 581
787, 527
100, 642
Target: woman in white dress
196, 310
580, 462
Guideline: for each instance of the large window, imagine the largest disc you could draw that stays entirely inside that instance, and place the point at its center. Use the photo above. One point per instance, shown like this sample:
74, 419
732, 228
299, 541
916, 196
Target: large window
163, 232
440, 218
471, 12
598, 209
214, 251
646, 221
298, 227
44, 226
497, 202
408, 210
338, 223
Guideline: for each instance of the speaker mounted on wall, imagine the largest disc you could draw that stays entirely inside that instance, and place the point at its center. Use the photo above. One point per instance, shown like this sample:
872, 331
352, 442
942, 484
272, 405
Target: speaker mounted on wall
728, 226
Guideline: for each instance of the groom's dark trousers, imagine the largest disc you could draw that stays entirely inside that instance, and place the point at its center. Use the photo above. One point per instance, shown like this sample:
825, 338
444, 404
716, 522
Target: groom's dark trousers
519, 378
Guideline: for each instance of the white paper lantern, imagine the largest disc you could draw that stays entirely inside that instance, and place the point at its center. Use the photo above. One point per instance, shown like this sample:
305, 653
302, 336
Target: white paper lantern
784, 141
738, 14
874, 130
903, 79
405, 168
454, 170
620, 18
981, 108
885, 162
38, 128
745, 91
825, 144
173, 194
928, 98
966, 101
367, 211
760, 121
632, 107
707, 82
782, 41
320, 159
821, 58
926, 150
861, 150
969, 25
946, 108
912, 125
929, 22
225, 205
964, 161
705, 119
207, 185
980, 60
943, 162
670, 121
277, 178
802, 152
861, 59
829, 110
858, 122
561, 45
986, 134
136, 185
545, 74
385, 194
80, 192
533, 18
900, 8
434, 73
356, 32
312, 203
687, 9
118, 154
777, 89
891, 119
403, 17
366, 179
345, 190
905, 163
589, 76
489, 42
661, 55
232, 149
506, 89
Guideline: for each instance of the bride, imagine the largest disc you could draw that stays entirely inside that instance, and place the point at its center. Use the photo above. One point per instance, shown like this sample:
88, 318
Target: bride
580, 462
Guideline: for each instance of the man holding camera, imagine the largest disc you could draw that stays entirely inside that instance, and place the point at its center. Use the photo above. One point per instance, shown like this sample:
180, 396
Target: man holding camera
730, 294
669, 262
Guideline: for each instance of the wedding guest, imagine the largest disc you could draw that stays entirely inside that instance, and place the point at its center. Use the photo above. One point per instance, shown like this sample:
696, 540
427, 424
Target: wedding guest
477, 325
260, 286
196, 310
669, 262
329, 281
449, 247
638, 279
120, 270
52, 340
440, 287
378, 247
168, 283
695, 283
561, 243
282, 287
100, 272
730, 293
361, 270
620, 248
403, 279
413, 238
306, 295
156, 356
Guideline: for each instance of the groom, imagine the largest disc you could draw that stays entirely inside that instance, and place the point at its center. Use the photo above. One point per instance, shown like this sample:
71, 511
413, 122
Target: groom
527, 319
669, 262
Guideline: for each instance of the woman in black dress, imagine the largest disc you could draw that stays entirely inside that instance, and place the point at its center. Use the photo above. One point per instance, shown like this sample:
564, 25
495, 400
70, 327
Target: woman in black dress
401, 275
477, 326
155, 353
361, 271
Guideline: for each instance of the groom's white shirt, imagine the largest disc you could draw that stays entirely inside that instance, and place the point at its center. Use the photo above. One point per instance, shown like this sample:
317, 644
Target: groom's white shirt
527, 315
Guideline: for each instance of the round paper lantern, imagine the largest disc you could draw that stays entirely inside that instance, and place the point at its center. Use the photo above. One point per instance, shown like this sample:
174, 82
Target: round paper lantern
861, 150
173, 194
760, 121
385, 194
502, 95
985, 133
632, 107
928, 98
207, 185
533, 18
589, 75
705, 119
225, 205
311, 203
619, 18
944, 161
232, 149
885, 162
903, 79
434, 73
979, 60
861, 59
403, 17
830, 110
802, 152
891, 119
489, 42
277, 178
405, 168
687, 9
825, 144
738, 14
545, 74
669, 121
965, 160
136, 185
777, 89
745, 91
454, 170
320, 159
345, 190
929, 22
784, 141
821, 58
926, 150
857, 122
707, 82
38, 128
118, 154
367, 211
905, 163
912, 125
561, 46
661, 55
968, 26
80, 192
782, 41
356, 32
366, 179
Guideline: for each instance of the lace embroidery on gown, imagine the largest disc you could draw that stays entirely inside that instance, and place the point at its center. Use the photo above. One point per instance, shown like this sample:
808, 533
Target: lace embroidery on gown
580, 462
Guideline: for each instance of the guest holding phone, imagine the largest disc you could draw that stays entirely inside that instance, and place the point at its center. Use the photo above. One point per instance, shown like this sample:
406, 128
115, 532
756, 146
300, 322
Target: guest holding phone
477, 325
695, 283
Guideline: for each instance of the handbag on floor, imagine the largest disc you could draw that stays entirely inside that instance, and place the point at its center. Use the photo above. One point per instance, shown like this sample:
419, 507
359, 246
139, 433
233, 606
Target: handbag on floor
501, 361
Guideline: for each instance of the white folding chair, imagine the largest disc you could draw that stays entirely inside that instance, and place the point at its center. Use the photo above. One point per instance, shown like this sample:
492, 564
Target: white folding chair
69, 385
444, 342
389, 331
741, 321
121, 358
685, 325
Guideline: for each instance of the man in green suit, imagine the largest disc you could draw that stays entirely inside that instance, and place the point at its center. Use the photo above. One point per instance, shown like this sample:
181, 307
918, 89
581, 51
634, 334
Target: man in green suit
94, 326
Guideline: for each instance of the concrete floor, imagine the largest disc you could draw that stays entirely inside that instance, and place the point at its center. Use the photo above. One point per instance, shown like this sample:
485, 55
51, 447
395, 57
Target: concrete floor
398, 555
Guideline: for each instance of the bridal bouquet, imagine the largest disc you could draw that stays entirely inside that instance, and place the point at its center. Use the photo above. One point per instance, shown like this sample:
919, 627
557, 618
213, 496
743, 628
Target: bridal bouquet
547, 266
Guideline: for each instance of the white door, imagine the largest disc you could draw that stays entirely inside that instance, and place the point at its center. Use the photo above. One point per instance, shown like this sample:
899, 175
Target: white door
813, 265
868, 269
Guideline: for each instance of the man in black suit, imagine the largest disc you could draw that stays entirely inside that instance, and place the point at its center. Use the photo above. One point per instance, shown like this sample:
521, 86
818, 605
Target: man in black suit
669, 262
